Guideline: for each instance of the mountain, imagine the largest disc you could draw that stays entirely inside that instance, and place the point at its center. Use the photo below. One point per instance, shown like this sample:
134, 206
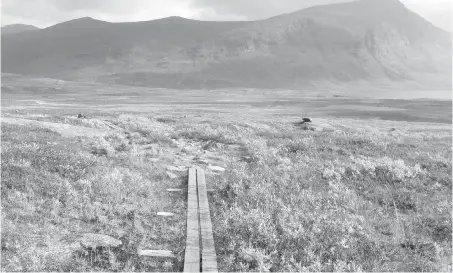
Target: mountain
367, 40
17, 28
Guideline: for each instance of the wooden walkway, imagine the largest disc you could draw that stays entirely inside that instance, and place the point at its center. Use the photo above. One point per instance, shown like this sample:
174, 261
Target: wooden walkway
200, 255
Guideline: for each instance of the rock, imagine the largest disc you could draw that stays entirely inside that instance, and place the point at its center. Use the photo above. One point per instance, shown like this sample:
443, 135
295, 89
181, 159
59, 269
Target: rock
171, 175
216, 168
392, 129
306, 120
93, 241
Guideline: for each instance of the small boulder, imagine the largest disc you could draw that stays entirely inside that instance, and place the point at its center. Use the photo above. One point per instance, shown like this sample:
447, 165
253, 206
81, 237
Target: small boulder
80, 116
392, 129
304, 120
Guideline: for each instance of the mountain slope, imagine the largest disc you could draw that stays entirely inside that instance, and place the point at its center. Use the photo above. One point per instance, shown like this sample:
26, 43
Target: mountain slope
346, 41
86, 42
17, 28
373, 40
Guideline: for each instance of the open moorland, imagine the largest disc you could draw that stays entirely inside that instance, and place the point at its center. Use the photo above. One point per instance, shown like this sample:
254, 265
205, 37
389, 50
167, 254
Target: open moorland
365, 187
101, 120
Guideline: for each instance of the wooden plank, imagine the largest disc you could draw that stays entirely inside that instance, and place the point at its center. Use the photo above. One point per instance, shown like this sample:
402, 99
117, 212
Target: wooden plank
165, 214
208, 253
174, 190
192, 253
156, 253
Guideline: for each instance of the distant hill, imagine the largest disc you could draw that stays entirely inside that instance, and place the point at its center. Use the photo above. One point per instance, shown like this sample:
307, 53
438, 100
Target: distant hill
368, 40
17, 28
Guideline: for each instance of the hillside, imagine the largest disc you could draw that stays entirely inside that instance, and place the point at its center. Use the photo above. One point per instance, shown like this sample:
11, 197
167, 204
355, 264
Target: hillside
17, 28
368, 40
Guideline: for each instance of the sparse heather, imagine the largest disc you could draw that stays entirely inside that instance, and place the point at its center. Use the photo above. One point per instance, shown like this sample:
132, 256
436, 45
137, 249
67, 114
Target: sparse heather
356, 197
54, 189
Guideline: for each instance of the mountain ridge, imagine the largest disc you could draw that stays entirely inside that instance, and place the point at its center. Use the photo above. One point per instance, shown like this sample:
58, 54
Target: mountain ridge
360, 40
17, 28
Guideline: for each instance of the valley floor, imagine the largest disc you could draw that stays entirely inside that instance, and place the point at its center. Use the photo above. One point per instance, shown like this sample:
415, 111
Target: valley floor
347, 194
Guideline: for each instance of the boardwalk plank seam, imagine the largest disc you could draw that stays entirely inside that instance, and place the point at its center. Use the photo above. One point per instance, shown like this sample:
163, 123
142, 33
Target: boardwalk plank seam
200, 253
208, 253
192, 253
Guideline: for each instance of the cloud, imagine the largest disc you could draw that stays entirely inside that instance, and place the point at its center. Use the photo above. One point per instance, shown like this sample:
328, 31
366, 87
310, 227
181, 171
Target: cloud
98, 5
43, 13
258, 9
438, 12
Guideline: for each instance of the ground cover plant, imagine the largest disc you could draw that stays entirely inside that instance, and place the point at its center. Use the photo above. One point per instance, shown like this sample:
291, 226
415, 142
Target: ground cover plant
365, 197
56, 189
356, 195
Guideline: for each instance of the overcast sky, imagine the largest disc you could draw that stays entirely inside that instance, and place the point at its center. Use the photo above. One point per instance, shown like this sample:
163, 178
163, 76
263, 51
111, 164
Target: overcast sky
43, 13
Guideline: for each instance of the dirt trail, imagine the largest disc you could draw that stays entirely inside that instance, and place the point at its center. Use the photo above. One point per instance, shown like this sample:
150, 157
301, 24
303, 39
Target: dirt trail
191, 153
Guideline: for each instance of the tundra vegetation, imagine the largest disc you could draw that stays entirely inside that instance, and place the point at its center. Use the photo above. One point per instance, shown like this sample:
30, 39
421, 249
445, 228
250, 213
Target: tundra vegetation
354, 196
366, 186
